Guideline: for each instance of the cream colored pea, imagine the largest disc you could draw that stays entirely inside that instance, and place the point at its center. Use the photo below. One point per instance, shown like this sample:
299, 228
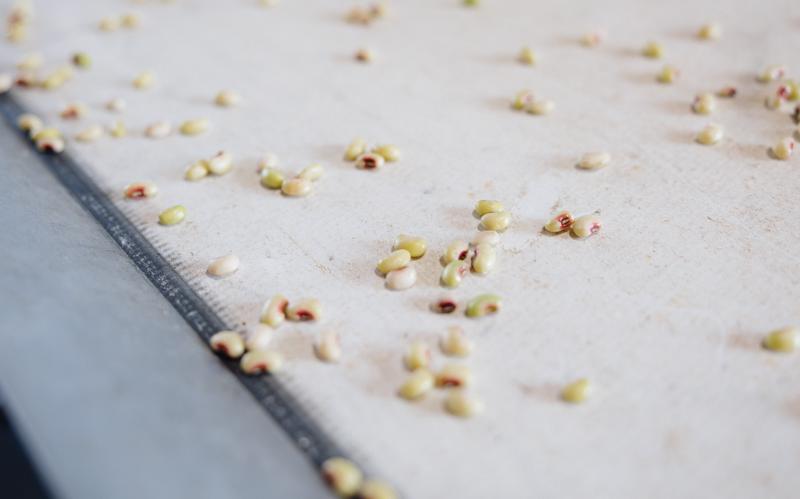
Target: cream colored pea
53, 81
727, 92
90, 134
483, 305
54, 145
454, 376
369, 161
653, 50
445, 304
74, 111
195, 126
273, 312
296, 187
396, 260
463, 404
456, 250
308, 309
487, 236
497, 222
417, 384
272, 178
196, 171
540, 106
229, 343
416, 246
453, 273
527, 56
594, 160
418, 355
220, 164
484, 259
258, 337
158, 130
522, 99
342, 476
559, 223
227, 98
401, 279
389, 152
454, 343
327, 346
140, 190
82, 60
668, 74
312, 172
144, 80
771, 73
783, 150
485, 206
117, 129
30, 123
27, 79
577, 392
592, 38
223, 266
173, 215
6, 82
130, 20
108, 24
785, 340
375, 489
710, 31
356, 148
710, 135
261, 361
116, 105
587, 225
269, 160
365, 55
47, 133
704, 104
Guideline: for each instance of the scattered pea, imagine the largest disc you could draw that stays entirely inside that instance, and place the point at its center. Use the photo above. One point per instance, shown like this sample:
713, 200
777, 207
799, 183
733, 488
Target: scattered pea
540, 106
116, 105
784, 149
773, 101
144, 80
47, 133
220, 164
486, 236
485, 206
26, 79
594, 160
522, 99
90, 134
140, 190
30, 123
418, 355
727, 92
117, 129
462, 403
417, 384
471, 3
158, 130
401, 279
369, 161
771, 73
416, 246
258, 338
653, 50
223, 266
454, 376
390, 153
785, 340
108, 24
365, 55
309, 309
559, 223
704, 104
269, 160
74, 111
592, 38
82, 60
173, 215
229, 343
455, 343
577, 392
342, 476
484, 259
195, 126
710, 135
272, 178
453, 273
312, 172
53, 145
710, 31
396, 260
227, 98
586, 225
327, 346
31, 62
457, 250
668, 74
356, 148
374, 489
261, 361
445, 304
130, 20
6, 82
497, 222
273, 312
296, 187
196, 171
527, 56
483, 305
